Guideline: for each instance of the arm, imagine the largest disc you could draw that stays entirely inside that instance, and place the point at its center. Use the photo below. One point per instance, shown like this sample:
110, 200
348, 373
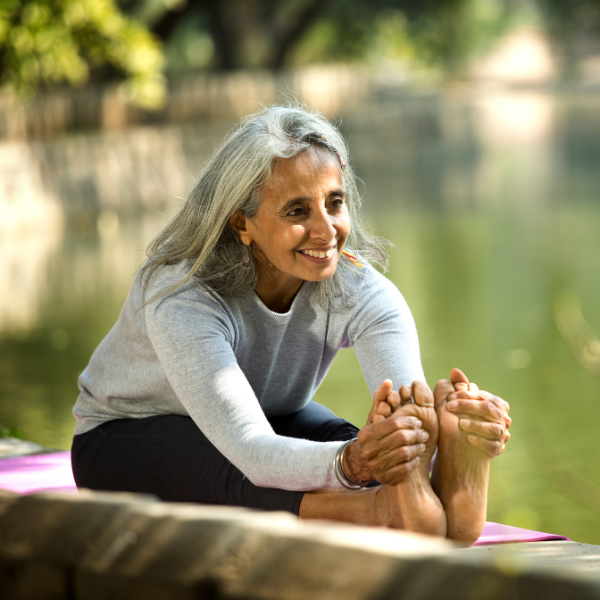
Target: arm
385, 339
193, 338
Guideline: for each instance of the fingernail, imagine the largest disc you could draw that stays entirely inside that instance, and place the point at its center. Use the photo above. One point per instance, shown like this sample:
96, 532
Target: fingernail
418, 423
423, 436
452, 396
465, 422
452, 405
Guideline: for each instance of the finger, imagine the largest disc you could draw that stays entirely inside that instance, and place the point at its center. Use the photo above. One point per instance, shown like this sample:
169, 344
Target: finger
473, 387
401, 423
492, 449
422, 394
381, 427
442, 389
459, 380
404, 437
396, 457
477, 408
491, 431
380, 459
501, 407
482, 395
396, 474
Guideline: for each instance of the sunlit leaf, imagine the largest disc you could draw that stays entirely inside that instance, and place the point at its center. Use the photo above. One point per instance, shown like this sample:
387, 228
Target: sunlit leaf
56, 41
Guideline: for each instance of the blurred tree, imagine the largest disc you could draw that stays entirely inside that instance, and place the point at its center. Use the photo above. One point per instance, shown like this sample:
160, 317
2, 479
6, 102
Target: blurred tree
233, 34
268, 33
244, 33
574, 27
44, 42
54, 41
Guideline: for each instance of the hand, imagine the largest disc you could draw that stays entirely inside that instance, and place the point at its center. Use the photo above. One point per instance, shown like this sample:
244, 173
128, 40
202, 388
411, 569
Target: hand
388, 446
483, 416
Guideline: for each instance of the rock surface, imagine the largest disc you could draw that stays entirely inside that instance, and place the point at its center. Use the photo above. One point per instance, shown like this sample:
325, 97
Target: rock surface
101, 545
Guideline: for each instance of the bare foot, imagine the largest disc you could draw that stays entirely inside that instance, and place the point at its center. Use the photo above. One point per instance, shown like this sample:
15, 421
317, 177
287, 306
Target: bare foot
412, 503
386, 449
461, 471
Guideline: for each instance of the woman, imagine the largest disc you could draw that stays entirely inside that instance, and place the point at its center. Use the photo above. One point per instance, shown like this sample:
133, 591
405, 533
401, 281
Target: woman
202, 390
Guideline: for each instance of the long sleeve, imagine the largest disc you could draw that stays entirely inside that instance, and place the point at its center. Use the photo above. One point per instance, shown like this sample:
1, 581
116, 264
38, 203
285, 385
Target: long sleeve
193, 342
384, 336
229, 363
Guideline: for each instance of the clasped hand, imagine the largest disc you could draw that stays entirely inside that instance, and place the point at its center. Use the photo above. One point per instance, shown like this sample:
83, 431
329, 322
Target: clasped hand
392, 442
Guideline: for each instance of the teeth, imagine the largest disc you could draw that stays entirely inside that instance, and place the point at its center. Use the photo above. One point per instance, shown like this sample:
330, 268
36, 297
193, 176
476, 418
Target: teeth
319, 254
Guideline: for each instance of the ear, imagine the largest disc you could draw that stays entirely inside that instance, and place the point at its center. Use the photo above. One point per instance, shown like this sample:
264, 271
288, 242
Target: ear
239, 223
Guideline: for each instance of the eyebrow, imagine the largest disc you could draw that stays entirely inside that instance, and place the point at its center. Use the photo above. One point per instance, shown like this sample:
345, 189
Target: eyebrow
290, 203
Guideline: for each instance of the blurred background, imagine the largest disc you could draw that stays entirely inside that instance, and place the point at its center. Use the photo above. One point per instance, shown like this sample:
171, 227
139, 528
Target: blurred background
473, 124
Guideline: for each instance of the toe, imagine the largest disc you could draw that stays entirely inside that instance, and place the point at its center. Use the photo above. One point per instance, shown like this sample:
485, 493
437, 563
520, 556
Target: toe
442, 389
422, 394
459, 379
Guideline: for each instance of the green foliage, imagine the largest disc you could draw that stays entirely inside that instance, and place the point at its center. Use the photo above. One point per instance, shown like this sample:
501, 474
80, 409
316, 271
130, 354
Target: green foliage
574, 28
440, 33
54, 41
452, 34
10, 432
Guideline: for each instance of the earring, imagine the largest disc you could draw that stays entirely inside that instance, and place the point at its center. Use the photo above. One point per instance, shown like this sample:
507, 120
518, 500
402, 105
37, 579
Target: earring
249, 255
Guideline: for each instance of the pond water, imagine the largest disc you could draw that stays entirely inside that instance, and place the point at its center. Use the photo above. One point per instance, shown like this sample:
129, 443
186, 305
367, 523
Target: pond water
491, 201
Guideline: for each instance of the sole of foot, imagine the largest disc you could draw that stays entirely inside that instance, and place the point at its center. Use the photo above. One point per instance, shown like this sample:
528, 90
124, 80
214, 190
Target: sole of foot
460, 474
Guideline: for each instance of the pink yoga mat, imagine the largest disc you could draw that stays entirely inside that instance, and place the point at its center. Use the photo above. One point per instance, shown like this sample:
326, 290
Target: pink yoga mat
496, 533
37, 473
52, 472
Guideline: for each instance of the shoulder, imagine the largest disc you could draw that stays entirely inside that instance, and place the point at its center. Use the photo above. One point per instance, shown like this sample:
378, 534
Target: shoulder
376, 303
162, 279
366, 283
167, 292
191, 310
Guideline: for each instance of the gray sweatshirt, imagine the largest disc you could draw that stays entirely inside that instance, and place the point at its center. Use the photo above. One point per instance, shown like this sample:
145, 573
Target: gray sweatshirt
228, 362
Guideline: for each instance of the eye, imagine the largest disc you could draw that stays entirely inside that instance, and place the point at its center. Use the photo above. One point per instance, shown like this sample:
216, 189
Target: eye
296, 212
337, 202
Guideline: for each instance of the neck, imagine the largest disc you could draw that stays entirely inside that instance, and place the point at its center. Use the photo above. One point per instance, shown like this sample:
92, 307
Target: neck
277, 296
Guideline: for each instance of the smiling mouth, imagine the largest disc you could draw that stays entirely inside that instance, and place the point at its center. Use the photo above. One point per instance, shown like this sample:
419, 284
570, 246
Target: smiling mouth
318, 253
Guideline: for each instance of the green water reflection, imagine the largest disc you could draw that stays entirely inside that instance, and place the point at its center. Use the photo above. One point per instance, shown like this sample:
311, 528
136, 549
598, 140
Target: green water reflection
487, 233
481, 289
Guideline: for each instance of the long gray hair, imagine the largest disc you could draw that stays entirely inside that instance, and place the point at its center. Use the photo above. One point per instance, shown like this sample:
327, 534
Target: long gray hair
231, 181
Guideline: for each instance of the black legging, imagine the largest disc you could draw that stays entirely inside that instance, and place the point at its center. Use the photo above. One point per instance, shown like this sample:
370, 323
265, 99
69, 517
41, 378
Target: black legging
168, 456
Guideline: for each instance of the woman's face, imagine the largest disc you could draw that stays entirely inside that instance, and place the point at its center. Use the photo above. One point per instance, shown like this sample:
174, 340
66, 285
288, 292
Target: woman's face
302, 224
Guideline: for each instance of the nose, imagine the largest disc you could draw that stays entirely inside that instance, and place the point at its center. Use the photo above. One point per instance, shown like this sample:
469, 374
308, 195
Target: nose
322, 226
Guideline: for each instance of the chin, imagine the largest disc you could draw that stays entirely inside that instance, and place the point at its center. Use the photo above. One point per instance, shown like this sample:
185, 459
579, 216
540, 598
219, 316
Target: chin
321, 277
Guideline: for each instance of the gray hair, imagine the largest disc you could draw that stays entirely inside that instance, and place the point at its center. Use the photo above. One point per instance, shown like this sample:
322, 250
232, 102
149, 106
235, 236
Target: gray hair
231, 181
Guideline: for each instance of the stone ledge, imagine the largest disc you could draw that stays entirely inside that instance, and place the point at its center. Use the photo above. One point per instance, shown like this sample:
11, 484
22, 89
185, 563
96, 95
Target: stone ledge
55, 546
10, 447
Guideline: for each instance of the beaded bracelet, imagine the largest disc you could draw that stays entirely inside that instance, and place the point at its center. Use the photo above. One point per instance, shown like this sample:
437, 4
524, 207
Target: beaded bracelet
340, 472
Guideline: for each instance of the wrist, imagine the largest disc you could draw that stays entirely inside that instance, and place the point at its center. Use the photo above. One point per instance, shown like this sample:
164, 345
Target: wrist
355, 463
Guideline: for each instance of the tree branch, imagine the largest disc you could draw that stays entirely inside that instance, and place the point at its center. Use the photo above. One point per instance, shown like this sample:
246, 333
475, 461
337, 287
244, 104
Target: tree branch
165, 27
285, 39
